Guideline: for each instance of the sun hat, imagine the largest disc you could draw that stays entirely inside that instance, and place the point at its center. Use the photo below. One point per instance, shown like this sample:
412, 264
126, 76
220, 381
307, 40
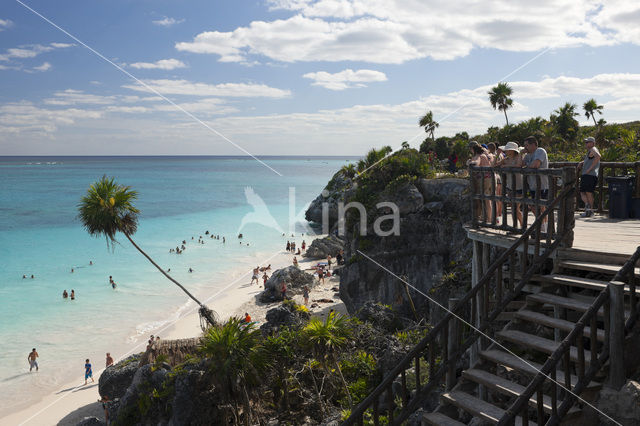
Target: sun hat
590, 139
501, 147
511, 146
472, 144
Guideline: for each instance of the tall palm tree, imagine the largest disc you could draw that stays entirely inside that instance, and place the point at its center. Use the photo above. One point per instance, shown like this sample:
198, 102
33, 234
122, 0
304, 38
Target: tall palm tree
237, 362
500, 99
325, 339
106, 209
590, 108
563, 120
429, 124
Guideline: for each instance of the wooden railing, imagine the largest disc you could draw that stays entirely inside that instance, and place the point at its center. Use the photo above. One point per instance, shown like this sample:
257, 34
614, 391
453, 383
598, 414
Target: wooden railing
611, 302
513, 203
607, 169
448, 340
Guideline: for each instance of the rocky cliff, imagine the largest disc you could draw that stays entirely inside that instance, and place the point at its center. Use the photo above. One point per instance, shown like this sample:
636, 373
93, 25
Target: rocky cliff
431, 251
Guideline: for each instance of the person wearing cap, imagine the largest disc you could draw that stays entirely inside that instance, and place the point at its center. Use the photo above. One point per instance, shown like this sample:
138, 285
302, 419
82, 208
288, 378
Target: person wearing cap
589, 178
514, 180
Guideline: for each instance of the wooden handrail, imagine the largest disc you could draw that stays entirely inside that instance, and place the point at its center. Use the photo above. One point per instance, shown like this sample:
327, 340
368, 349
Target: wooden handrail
442, 326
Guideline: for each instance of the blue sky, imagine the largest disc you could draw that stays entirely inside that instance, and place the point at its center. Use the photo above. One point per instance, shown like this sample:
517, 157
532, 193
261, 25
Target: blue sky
299, 76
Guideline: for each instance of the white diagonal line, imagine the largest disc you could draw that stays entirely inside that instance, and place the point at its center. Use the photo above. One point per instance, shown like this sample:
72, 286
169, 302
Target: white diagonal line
139, 345
485, 335
101, 56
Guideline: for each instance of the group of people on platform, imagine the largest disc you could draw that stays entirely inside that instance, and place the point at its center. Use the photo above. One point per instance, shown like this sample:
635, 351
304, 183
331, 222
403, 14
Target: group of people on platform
529, 156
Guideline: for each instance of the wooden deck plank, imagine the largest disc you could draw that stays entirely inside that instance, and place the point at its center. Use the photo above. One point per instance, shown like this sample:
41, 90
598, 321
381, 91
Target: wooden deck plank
571, 281
602, 268
530, 367
477, 407
565, 302
560, 324
439, 419
509, 388
539, 344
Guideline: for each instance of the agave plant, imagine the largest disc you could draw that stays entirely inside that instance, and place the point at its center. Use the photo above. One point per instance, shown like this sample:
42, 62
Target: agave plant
107, 209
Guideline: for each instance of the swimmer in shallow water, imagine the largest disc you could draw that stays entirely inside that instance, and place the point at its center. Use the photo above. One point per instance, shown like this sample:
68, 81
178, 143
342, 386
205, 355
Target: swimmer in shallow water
65, 294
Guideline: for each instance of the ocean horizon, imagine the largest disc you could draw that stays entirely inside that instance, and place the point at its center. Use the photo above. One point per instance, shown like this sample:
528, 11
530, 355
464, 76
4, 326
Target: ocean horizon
180, 198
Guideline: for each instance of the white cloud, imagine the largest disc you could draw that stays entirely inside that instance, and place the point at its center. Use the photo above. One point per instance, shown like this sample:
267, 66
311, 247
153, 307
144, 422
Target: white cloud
184, 87
78, 97
163, 64
30, 51
396, 31
346, 79
46, 66
5, 23
168, 22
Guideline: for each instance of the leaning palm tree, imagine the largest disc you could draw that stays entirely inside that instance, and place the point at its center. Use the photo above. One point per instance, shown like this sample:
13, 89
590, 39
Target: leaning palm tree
107, 209
325, 339
500, 99
429, 124
237, 362
590, 108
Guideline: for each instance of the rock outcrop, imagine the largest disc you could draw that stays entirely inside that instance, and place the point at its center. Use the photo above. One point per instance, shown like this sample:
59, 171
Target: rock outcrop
322, 247
284, 315
295, 278
622, 405
115, 380
431, 247
339, 188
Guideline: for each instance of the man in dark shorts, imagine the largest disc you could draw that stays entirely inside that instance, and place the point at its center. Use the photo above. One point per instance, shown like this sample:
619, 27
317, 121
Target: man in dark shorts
536, 158
589, 178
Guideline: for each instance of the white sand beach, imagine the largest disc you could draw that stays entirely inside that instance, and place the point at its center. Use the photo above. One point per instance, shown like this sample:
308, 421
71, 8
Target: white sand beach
74, 401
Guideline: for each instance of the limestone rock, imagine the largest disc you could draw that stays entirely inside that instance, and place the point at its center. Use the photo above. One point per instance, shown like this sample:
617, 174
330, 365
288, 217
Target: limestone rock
284, 315
380, 316
115, 380
295, 278
408, 199
622, 405
323, 247
339, 189
91, 421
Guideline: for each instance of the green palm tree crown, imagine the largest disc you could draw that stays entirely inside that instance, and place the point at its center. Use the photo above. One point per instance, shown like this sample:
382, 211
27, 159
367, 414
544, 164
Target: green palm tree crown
590, 108
563, 120
428, 123
500, 99
107, 209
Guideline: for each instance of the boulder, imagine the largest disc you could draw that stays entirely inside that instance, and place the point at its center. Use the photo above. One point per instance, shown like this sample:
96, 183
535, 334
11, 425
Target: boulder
339, 189
185, 408
322, 247
407, 198
285, 315
380, 316
622, 405
441, 189
115, 380
295, 278
91, 421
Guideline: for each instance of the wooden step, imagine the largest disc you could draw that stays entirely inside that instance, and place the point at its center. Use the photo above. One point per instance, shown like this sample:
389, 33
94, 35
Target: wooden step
565, 302
477, 407
560, 324
593, 256
603, 268
529, 367
571, 281
439, 419
539, 344
506, 387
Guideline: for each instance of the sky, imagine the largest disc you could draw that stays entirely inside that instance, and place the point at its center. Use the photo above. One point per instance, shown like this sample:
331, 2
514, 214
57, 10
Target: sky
298, 77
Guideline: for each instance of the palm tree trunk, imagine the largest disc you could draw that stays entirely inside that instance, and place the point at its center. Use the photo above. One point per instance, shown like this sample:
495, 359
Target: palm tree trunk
594, 120
505, 116
169, 277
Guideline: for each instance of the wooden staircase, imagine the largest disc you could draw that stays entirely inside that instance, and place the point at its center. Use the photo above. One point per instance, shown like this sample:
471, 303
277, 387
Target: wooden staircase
548, 313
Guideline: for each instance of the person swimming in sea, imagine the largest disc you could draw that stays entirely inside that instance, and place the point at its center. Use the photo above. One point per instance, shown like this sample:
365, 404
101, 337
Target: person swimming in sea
24, 276
190, 270
73, 295
65, 294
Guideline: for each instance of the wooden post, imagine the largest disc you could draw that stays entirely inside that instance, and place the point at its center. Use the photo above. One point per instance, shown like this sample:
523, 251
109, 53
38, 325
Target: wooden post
476, 273
616, 339
474, 218
569, 220
453, 346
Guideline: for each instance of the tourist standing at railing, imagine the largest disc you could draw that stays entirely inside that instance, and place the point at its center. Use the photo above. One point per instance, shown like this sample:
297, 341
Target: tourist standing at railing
497, 156
589, 177
536, 158
514, 180
480, 158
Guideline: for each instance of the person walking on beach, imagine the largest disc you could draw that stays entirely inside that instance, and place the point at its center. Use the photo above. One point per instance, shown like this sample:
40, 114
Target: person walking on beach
255, 278
109, 359
304, 245
295, 261
283, 290
305, 294
87, 371
32, 359
288, 246
589, 176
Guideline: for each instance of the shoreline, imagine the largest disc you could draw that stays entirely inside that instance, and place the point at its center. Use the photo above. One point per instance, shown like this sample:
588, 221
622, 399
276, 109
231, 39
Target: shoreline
72, 401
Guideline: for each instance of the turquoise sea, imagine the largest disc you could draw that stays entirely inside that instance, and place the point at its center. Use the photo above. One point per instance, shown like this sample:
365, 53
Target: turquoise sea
179, 198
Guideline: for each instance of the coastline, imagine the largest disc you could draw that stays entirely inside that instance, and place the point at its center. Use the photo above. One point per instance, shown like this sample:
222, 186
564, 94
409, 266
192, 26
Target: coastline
74, 401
